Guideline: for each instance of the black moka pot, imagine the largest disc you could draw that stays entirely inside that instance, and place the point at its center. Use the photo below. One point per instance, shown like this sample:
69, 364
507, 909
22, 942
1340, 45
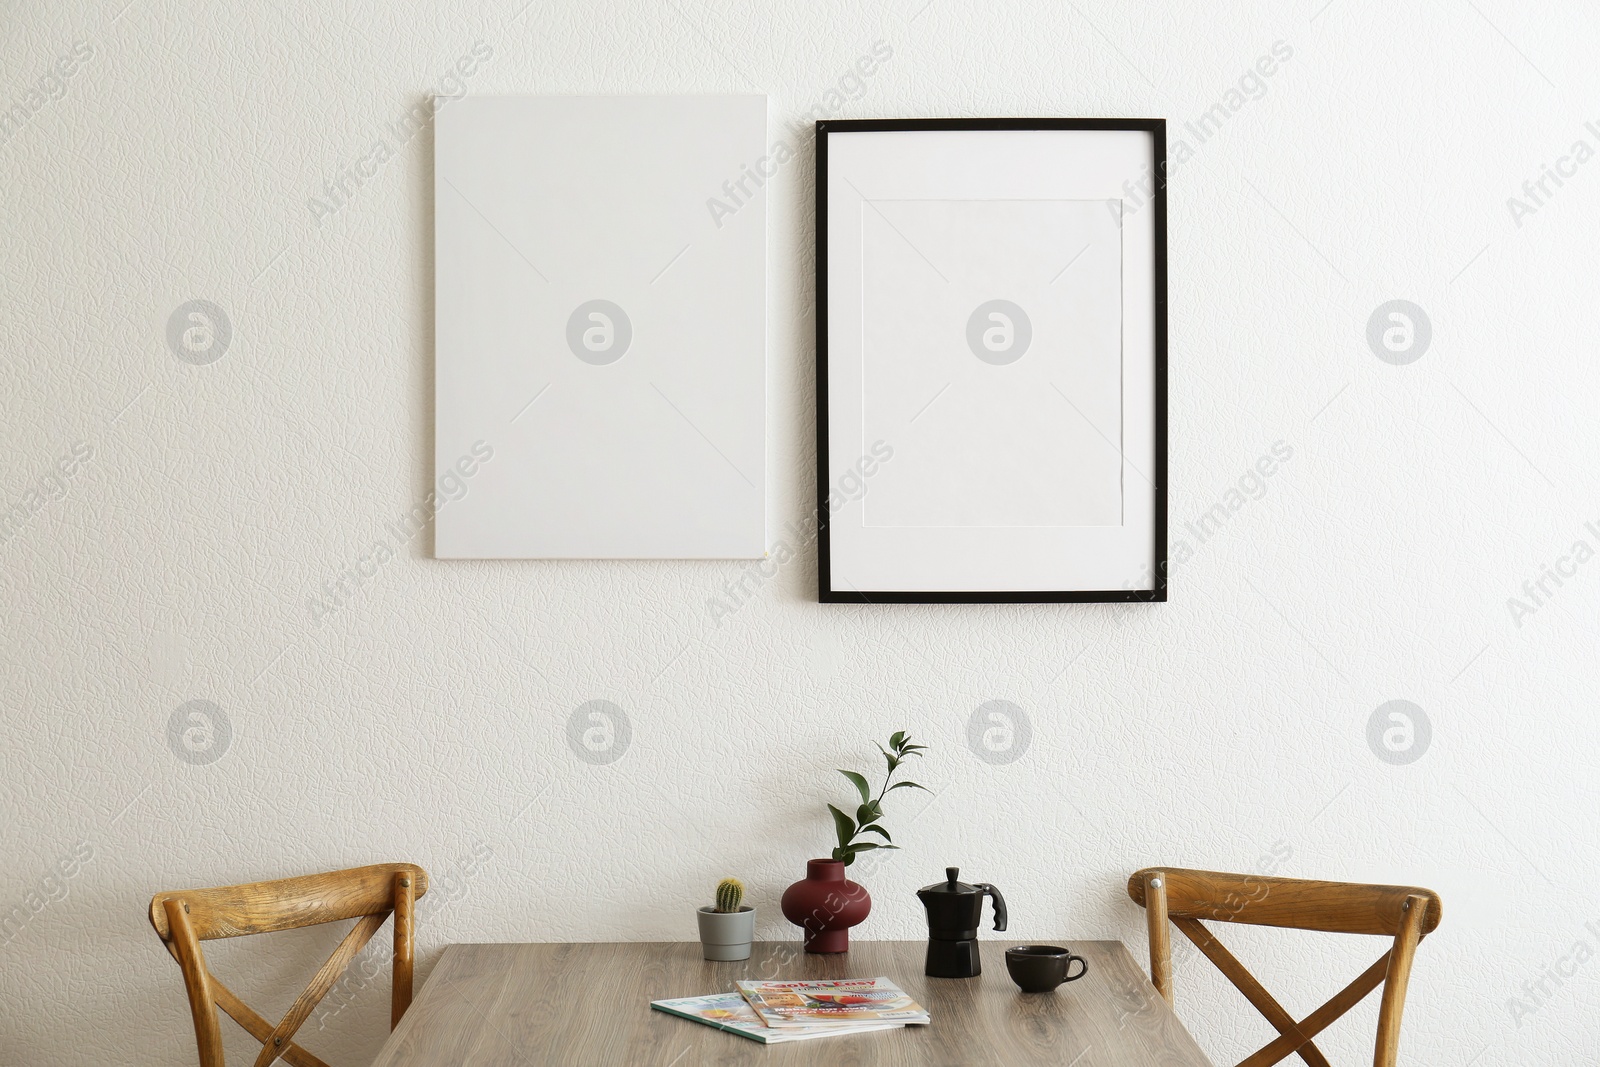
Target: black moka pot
955, 910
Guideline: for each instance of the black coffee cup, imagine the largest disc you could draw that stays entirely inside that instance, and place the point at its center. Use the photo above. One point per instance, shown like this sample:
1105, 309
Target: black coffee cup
1040, 968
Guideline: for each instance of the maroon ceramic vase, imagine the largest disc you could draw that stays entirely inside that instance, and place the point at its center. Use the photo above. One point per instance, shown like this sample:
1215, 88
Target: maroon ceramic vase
825, 904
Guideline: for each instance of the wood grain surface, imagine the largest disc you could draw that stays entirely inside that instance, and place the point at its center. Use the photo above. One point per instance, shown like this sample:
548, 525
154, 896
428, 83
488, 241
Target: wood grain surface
498, 1005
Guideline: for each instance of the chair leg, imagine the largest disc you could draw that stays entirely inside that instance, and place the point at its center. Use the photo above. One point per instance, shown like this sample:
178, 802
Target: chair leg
197, 980
1155, 913
1394, 986
404, 935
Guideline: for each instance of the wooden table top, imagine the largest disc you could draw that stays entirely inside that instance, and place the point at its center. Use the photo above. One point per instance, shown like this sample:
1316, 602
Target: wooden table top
498, 1005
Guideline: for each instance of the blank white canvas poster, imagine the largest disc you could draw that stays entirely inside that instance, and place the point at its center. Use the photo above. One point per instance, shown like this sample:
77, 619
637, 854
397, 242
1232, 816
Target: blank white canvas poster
992, 449
600, 338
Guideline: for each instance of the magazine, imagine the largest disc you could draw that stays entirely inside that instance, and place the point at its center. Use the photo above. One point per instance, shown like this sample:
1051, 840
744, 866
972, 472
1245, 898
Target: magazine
731, 1012
847, 1002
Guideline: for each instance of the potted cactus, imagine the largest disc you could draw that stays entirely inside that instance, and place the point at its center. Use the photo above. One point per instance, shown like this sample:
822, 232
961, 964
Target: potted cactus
728, 926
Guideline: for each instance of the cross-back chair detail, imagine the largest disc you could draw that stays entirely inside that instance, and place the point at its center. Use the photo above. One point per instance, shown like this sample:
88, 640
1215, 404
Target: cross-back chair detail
369, 895
1185, 897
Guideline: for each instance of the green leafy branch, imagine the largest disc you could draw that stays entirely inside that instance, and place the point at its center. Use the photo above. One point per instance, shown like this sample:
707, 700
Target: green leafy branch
869, 813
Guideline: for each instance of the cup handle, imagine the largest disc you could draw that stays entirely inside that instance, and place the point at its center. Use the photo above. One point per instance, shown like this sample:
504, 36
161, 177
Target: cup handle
1070, 977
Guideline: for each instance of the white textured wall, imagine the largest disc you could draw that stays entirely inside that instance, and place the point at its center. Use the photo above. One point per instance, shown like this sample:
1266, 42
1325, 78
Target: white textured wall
425, 717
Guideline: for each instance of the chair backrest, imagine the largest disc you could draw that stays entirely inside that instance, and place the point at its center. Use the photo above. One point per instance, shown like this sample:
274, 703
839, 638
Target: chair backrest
185, 918
1405, 914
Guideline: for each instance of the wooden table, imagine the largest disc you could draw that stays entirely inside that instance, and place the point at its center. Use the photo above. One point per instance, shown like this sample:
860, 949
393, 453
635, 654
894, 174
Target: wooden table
497, 1005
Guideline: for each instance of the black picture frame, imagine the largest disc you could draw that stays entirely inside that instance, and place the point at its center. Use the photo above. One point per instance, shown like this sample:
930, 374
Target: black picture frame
1157, 128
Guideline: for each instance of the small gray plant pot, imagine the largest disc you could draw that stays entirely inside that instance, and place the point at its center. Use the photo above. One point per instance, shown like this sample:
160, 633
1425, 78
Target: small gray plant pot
726, 935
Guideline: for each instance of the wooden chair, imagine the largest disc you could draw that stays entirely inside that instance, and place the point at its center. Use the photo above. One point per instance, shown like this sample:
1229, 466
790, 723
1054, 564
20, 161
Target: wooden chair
368, 894
1401, 912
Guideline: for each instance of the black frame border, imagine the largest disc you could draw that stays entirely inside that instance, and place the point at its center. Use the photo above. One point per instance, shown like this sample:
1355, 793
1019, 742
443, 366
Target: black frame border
1157, 128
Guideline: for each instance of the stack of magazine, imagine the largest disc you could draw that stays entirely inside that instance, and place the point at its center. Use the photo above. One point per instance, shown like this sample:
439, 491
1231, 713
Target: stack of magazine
771, 1012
